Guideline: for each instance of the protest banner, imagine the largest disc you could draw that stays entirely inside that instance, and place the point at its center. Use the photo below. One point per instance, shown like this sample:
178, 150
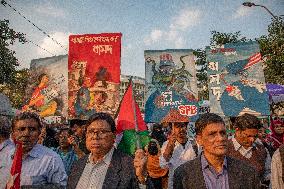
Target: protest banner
171, 86
94, 74
236, 80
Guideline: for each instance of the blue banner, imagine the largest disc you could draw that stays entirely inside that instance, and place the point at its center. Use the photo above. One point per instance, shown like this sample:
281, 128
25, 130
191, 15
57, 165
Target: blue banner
236, 80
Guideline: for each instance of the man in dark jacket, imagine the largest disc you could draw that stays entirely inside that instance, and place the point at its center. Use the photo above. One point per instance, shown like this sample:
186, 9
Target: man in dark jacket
105, 167
213, 169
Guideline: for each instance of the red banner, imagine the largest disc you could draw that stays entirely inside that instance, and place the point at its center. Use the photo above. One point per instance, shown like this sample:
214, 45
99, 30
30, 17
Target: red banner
94, 74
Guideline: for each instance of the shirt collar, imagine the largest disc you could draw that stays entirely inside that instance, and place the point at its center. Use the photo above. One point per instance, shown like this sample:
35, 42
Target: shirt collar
106, 159
237, 145
205, 164
188, 142
6, 143
36, 151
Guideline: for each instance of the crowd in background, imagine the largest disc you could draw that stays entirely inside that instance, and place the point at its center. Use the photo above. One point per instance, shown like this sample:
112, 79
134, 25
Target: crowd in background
83, 154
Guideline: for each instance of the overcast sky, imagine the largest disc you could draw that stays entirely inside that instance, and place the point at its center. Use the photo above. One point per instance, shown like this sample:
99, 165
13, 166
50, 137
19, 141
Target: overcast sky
145, 24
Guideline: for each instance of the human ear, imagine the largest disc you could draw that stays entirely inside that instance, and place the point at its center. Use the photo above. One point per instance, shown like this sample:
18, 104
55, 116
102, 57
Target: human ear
199, 139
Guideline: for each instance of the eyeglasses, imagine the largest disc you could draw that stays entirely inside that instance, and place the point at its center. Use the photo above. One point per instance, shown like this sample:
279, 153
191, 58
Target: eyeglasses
100, 133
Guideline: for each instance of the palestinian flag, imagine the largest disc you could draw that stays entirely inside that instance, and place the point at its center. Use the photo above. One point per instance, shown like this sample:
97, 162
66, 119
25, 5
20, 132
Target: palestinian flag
130, 124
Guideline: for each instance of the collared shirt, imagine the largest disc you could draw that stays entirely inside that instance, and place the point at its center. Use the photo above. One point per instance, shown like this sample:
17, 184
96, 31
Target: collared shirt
41, 166
94, 173
213, 179
7, 144
181, 154
248, 153
276, 171
68, 158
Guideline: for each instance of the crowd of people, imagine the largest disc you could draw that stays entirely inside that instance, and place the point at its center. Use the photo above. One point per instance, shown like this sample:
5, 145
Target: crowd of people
83, 154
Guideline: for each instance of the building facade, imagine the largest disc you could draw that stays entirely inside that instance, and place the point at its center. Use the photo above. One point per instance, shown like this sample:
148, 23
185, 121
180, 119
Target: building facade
138, 88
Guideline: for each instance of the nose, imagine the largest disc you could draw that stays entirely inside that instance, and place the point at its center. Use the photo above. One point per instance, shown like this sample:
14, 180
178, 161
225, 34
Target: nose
26, 132
251, 139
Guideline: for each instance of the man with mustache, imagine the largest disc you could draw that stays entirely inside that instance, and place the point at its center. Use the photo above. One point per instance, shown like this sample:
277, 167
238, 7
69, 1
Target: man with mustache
177, 150
41, 167
213, 168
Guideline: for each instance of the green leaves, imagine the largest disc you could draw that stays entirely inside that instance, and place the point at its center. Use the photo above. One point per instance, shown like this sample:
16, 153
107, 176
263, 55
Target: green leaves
8, 61
272, 50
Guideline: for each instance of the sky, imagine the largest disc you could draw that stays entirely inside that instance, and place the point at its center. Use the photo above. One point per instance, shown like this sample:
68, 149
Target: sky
144, 24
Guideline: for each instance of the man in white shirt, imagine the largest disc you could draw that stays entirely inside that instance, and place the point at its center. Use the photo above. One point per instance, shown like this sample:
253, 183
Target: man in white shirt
177, 150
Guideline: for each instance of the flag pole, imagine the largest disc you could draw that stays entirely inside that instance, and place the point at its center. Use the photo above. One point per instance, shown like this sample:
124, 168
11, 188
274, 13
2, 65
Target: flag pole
138, 143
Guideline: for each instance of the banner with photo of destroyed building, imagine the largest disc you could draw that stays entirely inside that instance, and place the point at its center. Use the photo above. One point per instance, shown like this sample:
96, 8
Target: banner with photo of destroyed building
236, 80
94, 74
47, 93
171, 86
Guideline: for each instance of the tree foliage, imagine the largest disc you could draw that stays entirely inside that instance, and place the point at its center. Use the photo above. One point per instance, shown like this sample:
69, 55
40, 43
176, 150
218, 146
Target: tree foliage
201, 74
272, 51
219, 38
16, 89
8, 61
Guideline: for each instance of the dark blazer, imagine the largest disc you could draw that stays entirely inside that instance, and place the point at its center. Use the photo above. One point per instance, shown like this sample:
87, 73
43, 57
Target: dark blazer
240, 175
120, 173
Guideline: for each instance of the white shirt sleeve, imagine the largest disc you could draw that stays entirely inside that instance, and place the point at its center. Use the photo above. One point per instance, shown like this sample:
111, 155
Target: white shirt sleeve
163, 162
267, 171
276, 171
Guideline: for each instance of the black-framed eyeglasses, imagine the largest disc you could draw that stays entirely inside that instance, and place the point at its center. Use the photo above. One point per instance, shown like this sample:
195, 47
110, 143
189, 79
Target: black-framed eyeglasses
99, 133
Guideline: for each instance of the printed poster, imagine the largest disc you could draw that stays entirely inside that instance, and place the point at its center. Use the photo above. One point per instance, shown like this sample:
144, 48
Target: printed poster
47, 89
171, 86
94, 74
236, 80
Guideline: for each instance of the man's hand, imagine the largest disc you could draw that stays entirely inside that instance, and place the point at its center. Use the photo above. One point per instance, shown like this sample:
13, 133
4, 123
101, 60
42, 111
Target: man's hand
172, 139
170, 147
72, 140
140, 160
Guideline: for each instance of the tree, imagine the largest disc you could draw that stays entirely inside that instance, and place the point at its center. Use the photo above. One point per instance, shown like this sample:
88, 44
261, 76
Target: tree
16, 90
8, 61
201, 66
272, 51
217, 39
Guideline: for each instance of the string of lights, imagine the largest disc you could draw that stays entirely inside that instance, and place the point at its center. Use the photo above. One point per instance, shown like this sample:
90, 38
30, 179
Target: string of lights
3, 2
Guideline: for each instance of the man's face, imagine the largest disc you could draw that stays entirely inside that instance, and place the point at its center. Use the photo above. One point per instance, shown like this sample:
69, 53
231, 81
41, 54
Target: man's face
213, 139
180, 131
261, 133
99, 98
26, 131
99, 138
63, 139
246, 137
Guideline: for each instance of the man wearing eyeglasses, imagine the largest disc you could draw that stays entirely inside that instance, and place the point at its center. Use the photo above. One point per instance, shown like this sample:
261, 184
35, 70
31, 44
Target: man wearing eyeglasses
105, 167
243, 146
177, 150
